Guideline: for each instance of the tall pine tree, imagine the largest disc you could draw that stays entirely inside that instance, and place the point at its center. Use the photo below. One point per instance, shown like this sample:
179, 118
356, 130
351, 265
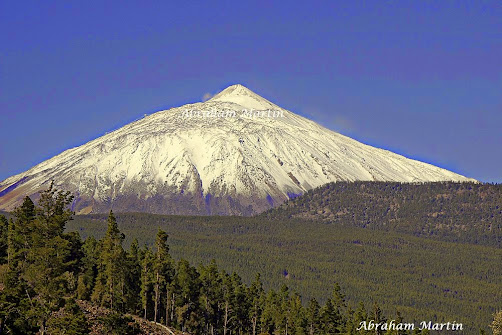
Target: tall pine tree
110, 281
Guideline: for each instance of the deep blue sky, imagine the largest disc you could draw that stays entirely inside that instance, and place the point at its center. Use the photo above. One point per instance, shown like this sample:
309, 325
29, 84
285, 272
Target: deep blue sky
421, 78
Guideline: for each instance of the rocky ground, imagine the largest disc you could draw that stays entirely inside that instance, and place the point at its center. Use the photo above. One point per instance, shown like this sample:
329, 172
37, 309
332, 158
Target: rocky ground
95, 314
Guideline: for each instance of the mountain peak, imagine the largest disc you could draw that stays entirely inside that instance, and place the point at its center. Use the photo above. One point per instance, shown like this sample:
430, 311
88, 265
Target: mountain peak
236, 89
244, 97
166, 163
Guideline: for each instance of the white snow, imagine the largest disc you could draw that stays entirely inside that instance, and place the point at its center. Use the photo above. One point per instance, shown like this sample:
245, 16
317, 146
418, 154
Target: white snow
229, 156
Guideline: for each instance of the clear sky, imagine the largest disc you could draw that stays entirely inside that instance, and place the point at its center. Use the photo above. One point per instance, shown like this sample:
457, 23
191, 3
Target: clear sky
421, 78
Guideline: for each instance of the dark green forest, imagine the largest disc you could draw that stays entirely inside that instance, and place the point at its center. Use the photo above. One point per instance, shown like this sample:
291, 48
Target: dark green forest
44, 270
200, 273
422, 278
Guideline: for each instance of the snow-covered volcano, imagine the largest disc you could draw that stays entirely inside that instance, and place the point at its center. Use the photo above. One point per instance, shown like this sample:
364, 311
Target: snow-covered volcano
236, 153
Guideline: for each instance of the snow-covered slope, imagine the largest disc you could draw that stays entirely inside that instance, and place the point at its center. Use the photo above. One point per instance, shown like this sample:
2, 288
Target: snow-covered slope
221, 156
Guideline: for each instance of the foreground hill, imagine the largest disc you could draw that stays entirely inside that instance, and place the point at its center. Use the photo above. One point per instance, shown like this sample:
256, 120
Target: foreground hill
236, 153
423, 278
462, 212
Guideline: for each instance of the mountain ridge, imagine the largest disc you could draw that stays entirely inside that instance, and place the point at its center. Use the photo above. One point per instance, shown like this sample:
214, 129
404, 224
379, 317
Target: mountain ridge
228, 155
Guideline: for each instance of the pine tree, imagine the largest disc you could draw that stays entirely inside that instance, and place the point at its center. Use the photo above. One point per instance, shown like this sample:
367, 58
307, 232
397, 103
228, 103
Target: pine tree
282, 317
313, 317
41, 261
146, 280
109, 289
210, 296
187, 288
88, 272
17, 315
355, 320
269, 314
378, 317
228, 298
162, 267
240, 304
338, 298
257, 299
47, 255
330, 319
133, 275
332, 313
351, 324
20, 233
297, 319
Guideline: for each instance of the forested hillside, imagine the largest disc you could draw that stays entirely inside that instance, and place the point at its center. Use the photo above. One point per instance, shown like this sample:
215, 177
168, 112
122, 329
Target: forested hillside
422, 278
128, 264
43, 270
459, 212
